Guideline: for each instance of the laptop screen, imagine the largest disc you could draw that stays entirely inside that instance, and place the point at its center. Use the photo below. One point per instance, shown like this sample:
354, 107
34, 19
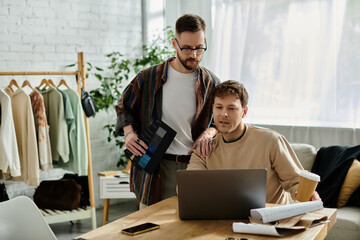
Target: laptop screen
221, 193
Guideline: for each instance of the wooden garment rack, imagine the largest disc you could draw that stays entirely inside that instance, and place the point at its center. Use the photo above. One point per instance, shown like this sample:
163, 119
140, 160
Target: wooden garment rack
55, 216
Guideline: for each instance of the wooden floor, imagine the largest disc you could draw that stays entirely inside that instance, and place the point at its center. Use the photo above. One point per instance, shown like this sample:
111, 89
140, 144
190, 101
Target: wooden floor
67, 230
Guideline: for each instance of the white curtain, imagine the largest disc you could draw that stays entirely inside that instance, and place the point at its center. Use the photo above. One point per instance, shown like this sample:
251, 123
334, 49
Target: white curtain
298, 59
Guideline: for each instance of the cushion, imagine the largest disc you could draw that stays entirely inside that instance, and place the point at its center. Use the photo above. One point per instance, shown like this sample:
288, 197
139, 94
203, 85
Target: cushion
306, 154
351, 183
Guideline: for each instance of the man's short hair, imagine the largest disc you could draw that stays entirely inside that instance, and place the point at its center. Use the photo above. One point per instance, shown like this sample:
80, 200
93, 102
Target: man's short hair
191, 23
231, 87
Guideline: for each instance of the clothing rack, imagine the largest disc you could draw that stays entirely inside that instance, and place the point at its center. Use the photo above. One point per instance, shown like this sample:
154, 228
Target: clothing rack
55, 216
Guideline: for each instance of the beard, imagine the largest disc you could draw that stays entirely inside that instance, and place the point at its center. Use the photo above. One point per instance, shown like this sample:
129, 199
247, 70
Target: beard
185, 64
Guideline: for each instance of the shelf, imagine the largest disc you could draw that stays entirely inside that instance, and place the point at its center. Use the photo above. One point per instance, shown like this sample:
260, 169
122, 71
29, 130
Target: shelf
57, 216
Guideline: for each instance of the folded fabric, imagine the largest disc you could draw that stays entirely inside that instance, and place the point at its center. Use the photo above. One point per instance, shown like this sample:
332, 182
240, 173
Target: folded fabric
332, 164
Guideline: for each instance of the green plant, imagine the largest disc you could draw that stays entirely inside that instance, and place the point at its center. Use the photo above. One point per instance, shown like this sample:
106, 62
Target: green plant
119, 69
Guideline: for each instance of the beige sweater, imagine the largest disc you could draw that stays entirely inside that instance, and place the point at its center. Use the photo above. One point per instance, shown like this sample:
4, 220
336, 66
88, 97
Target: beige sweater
258, 148
25, 135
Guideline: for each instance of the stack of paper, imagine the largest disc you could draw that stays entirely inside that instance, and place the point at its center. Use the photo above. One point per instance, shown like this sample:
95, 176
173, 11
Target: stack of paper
271, 214
282, 220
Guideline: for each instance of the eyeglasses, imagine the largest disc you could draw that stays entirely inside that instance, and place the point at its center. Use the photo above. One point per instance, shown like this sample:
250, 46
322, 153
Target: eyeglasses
187, 50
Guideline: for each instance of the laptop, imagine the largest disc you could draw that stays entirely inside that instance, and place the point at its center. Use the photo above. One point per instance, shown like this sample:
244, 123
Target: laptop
220, 193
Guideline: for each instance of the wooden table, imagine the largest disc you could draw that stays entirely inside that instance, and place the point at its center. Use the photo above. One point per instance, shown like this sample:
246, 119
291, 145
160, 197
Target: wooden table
165, 213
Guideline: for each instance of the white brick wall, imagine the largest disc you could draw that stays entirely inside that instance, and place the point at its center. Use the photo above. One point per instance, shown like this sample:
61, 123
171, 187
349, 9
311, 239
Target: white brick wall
66, 27
45, 35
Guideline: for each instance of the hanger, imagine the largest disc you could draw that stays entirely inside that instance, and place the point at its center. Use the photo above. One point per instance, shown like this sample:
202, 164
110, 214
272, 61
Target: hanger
44, 81
13, 83
51, 83
27, 83
63, 82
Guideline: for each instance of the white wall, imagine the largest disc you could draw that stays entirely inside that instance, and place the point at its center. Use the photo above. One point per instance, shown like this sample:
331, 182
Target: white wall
45, 35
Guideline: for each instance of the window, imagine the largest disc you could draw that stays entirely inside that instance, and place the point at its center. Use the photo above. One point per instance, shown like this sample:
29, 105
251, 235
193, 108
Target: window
299, 60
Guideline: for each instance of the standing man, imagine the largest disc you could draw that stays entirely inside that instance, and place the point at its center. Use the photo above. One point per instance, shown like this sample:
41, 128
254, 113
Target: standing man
177, 92
244, 146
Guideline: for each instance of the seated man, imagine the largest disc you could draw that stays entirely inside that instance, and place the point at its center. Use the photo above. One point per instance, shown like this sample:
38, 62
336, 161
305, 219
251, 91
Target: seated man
238, 145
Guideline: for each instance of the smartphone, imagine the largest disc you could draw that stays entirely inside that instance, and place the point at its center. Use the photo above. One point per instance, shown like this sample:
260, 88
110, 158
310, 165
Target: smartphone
145, 227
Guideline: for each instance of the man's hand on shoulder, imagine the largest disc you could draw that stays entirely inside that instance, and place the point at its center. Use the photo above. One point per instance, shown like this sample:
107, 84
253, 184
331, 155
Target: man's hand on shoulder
202, 145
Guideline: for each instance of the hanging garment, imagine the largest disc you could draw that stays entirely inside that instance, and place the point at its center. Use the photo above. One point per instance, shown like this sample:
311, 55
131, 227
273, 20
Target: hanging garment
68, 112
25, 135
77, 134
9, 154
54, 108
69, 117
42, 130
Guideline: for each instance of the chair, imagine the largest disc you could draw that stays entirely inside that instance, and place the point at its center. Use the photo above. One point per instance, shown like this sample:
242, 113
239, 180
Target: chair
21, 219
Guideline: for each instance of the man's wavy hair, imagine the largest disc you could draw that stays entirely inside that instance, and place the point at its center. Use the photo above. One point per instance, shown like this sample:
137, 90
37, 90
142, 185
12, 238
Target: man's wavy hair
231, 87
189, 22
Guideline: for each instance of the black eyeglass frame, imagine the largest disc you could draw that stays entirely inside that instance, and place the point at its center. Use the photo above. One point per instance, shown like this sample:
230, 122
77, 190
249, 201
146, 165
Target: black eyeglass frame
192, 49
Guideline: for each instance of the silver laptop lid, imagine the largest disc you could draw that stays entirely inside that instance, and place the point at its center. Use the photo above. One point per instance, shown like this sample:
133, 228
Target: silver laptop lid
221, 193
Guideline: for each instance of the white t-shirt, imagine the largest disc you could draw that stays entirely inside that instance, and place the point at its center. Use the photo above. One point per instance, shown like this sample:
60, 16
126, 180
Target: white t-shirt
179, 109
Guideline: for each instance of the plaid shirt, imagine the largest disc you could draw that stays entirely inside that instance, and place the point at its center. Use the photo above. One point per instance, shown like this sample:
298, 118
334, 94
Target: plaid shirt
141, 104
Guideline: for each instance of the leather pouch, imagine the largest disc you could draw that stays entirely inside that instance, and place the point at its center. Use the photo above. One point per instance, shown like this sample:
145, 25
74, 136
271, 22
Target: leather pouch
63, 194
88, 103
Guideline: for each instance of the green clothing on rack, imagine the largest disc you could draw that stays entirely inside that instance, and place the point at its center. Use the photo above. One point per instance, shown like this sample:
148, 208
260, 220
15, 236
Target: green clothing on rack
54, 105
77, 138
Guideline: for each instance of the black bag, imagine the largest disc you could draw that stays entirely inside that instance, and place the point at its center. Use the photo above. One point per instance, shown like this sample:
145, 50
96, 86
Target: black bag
84, 183
88, 103
63, 194
3, 193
